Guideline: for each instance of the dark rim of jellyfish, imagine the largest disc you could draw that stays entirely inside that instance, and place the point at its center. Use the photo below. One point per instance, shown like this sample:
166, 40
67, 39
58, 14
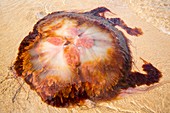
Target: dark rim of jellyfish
129, 79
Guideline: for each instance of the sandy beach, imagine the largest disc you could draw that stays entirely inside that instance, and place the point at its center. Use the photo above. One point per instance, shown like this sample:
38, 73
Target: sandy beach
18, 18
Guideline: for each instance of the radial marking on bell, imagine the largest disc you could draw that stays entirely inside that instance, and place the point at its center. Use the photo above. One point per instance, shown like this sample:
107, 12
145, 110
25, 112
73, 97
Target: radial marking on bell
64, 30
54, 57
85, 42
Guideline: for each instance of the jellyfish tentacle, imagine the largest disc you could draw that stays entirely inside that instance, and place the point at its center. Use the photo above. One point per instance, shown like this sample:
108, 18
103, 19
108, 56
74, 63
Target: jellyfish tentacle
152, 76
131, 31
98, 11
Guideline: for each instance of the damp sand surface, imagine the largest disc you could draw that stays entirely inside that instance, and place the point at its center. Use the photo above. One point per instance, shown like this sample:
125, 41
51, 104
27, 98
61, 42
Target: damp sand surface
17, 20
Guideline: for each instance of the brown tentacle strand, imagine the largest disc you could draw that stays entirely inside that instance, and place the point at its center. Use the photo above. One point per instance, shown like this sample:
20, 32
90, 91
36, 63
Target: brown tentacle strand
131, 31
98, 11
134, 79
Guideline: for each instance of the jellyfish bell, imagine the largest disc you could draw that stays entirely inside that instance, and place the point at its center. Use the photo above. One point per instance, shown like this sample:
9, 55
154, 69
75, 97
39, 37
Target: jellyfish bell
70, 57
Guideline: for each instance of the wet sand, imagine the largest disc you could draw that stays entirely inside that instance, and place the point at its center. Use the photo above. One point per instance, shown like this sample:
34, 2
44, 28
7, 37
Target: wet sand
17, 20
156, 12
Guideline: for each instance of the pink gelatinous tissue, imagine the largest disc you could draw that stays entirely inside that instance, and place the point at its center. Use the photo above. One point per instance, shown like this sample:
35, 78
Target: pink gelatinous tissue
57, 41
70, 57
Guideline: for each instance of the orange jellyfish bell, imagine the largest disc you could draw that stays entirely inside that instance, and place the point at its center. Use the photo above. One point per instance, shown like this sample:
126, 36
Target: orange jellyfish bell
70, 57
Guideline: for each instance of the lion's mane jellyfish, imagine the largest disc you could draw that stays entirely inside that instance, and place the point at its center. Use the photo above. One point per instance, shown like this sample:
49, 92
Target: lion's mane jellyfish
70, 57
